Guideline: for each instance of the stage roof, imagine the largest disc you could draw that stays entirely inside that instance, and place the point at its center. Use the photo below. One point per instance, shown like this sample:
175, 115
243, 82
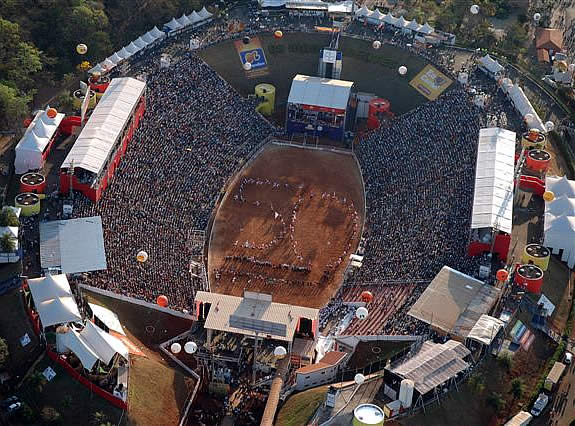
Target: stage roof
96, 140
73, 246
433, 365
322, 92
254, 312
54, 300
453, 302
493, 194
559, 224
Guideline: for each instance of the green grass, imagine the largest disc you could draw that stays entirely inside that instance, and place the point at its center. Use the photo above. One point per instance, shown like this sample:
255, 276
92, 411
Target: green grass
71, 399
299, 408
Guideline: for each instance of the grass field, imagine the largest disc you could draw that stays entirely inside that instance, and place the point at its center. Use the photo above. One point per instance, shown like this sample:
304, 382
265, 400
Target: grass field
298, 53
299, 408
157, 393
75, 403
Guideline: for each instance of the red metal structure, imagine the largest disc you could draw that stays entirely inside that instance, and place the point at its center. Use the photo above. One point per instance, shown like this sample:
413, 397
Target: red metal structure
530, 277
378, 109
538, 160
33, 182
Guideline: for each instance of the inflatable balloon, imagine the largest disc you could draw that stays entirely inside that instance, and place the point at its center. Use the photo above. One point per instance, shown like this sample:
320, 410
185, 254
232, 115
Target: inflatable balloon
162, 301
247, 66
502, 275
359, 379
537, 17
366, 296
27, 122
142, 256
529, 117
278, 34
246, 40
81, 49
548, 196
474, 9
376, 44
176, 348
361, 313
280, 352
549, 126
190, 347
402, 70
51, 112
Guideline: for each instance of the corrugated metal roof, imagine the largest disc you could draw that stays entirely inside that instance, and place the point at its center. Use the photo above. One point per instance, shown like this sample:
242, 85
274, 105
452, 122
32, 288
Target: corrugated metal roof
453, 300
96, 140
257, 314
493, 194
75, 245
433, 365
322, 92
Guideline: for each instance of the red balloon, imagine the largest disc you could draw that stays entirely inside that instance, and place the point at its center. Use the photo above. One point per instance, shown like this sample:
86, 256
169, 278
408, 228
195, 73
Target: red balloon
51, 113
502, 275
27, 122
162, 301
366, 296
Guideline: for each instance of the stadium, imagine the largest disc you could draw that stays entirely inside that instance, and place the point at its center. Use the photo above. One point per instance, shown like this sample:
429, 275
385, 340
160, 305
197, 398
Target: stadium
290, 229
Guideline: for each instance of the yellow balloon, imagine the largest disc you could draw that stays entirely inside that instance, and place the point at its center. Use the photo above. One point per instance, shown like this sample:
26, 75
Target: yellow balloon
81, 49
548, 196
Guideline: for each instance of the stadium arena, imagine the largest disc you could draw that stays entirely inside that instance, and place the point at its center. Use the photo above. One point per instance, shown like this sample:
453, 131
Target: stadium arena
270, 235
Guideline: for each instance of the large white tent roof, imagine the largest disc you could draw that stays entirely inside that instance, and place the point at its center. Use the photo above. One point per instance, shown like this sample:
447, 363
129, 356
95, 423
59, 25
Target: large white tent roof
34, 141
96, 141
54, 300
103, 344
493, 194
204, 14
491, 64
560, 186
524, 107
73, 246
77, 344
109, 318
559, 225
362, 11
322, 92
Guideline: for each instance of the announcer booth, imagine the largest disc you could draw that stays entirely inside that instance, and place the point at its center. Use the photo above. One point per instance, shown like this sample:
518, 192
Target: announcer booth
92, 161
320, 107
492, 215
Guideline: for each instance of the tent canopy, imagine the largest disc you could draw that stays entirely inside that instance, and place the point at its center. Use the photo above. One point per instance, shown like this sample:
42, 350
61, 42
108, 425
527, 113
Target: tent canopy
491, 64
109, 318
77, 344
485, 329
322, 92
54, 300
102, 343
523, 105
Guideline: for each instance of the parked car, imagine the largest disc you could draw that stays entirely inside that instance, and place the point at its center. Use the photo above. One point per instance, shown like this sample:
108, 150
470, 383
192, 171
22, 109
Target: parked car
8, 401
568, 358
540, 404
14, 407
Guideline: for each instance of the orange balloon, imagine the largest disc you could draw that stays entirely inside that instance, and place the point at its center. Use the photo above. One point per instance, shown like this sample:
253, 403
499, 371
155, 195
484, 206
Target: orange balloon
502, 275
27, 122
162, 301
51, 113
366, 296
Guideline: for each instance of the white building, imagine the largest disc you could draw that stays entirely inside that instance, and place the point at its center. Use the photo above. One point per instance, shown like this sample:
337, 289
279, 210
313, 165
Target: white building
325, 371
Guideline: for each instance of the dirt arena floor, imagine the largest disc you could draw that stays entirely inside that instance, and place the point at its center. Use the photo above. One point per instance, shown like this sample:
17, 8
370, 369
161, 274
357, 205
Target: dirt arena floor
259, 244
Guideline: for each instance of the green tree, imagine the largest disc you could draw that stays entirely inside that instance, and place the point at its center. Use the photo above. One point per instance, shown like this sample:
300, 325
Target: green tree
495, 401
49, 415
505, 361
98, 418
19, 60
4, 353
36, 381
13, 106
517, 388
477, 383
7, 243
8, 217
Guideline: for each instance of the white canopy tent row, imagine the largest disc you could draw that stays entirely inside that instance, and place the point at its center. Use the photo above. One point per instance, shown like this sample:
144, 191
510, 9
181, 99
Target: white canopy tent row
30, 149
150, 38
490, 66
377, 17
522, 104
559, 228
54, 300
92, 344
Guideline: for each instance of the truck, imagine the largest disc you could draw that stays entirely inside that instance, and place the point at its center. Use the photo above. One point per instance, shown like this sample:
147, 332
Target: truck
554, 376
520, 419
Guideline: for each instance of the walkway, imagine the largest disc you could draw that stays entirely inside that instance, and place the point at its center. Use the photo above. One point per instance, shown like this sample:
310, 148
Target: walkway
275, 390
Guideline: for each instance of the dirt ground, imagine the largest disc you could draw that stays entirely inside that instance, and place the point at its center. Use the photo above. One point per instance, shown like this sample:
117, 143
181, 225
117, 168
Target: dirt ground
322, 230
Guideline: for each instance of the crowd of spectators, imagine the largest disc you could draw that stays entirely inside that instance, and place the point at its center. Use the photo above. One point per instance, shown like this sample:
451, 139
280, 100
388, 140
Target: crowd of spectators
194, 135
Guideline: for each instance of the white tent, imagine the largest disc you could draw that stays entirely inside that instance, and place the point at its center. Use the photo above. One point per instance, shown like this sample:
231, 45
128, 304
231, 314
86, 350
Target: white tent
109, 318
560, 186
98, 137
560, 235
102, 343
123, 53
493, 193
485, 329
132, 48
114, 59
140, 42
401, 22
414, 26
376, 15
487, 63
97, 68
524, 107
426, 29
562, 205
54, 300
184, 21
173, 25
204, 14
77, 344
390, 19
148, 37
194, 17
362, 11
156, 33
31, 146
